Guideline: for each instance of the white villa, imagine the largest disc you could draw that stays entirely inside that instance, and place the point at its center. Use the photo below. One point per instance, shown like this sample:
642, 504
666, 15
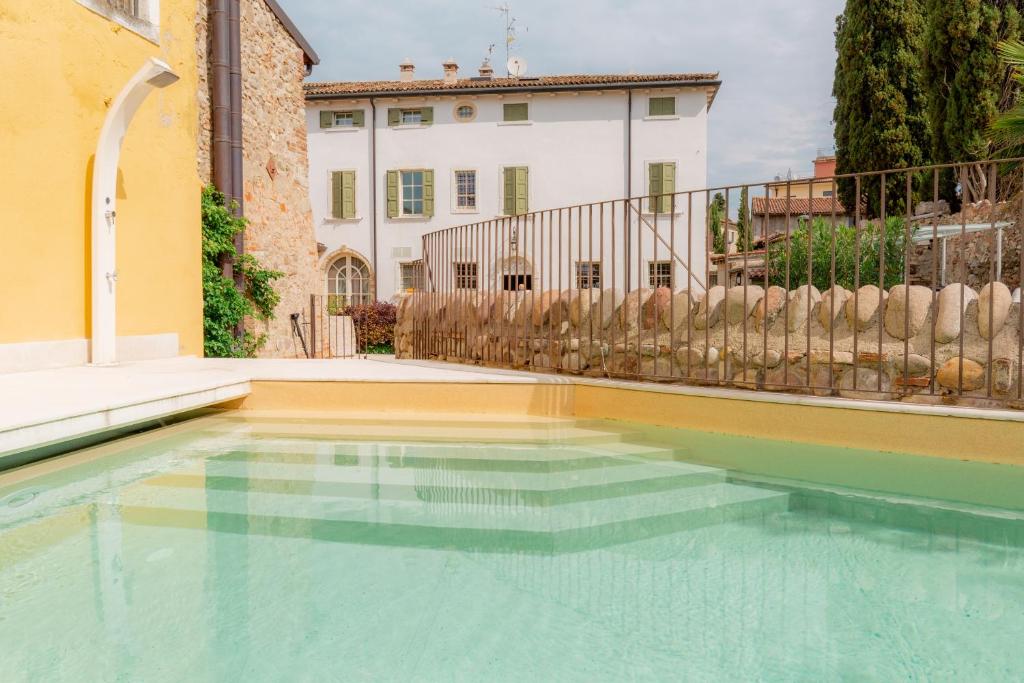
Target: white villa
392, 160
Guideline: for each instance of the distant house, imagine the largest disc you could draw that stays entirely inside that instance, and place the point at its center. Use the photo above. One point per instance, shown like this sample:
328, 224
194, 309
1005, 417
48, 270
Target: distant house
794, 198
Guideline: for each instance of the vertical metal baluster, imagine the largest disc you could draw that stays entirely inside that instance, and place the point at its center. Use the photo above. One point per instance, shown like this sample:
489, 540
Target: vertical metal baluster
832, 295
1020, 304
652, 271
789, 256
590, 290
993, 179
963, 278
935, 277
744, 276
856, 278
724, 356
709, 247
907, 245
672, 360
765, 234
600, 303
639, 290
689, 279
810, 274
883, 236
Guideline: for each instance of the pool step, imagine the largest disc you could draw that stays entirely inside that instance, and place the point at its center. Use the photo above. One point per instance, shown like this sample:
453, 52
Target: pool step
492, 525
451, 432
382, 477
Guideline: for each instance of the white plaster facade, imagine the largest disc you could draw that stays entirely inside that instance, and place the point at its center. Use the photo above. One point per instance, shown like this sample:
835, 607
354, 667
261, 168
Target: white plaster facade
576, 144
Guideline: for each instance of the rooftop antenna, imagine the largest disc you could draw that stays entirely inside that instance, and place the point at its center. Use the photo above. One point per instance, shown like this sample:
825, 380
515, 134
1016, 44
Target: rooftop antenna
510, 31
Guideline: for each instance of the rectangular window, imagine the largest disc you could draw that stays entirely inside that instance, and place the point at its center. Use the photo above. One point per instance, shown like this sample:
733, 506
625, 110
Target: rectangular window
826, 193
412, 193
412, 117
519, 111
343, 118
659, 274
410, 276
661, 179
465, 275
588, 275
661, 106
465, 190
343, 194
516, 190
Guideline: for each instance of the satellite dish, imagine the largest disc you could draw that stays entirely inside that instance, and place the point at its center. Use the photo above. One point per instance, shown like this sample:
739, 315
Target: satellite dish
516, 67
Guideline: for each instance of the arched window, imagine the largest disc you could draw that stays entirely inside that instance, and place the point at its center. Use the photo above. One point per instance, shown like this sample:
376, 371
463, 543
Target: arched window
348, 282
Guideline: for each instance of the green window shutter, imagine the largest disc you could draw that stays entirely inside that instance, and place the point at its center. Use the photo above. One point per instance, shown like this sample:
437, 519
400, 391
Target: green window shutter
668, 186
654, 185
522, 190
359, 118
348, 194
428, 193
517, 112
326, 119
392, 196
337, 195
427, 116
509, 204
394, 116
661, 106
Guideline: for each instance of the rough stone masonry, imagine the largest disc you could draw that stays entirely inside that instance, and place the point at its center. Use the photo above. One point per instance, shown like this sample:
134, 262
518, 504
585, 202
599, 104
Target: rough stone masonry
868, 344
276, 167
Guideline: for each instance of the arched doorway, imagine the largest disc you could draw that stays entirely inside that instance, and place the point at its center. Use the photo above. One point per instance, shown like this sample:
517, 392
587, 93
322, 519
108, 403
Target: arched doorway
349, 282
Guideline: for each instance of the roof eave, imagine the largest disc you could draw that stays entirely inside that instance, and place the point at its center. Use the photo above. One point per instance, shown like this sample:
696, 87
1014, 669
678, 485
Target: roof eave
311, 57
713, 85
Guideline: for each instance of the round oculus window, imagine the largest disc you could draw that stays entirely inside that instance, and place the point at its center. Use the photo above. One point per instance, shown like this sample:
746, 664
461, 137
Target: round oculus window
465, 112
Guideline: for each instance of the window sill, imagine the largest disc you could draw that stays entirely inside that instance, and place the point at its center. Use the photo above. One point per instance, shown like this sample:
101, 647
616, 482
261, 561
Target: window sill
651, 214
673, 117
337, 221
466, 211
343, 129
515, 123
141, 27
410, 219
410, 126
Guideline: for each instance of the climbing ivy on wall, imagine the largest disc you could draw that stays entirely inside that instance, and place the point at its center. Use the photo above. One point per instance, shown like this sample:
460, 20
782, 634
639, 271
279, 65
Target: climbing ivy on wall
224, 306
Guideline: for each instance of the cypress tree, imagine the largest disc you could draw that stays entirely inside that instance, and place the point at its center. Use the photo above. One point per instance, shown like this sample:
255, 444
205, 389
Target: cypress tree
965, 83
880, 117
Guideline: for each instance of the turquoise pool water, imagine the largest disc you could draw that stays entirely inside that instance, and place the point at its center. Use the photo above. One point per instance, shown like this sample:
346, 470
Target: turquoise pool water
273, 550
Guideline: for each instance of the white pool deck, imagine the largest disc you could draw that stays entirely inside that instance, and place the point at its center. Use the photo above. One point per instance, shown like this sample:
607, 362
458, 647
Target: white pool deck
44, 407
47, 407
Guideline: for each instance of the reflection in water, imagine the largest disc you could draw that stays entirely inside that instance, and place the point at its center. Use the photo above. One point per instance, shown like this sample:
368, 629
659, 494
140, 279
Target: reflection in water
314, 559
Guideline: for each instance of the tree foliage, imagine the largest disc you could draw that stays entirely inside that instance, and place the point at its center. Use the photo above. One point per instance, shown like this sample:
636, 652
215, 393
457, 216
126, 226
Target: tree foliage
1007, 130
224, 306
744, 223
866, 246
880, 115
716, 221
965, 83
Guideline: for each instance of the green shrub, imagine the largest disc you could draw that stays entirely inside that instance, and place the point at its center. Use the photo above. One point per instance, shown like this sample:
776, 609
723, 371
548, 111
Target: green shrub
224, 306
849, 243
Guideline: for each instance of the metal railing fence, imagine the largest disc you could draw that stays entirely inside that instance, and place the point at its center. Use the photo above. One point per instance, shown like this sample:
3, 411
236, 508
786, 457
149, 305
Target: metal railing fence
778, 285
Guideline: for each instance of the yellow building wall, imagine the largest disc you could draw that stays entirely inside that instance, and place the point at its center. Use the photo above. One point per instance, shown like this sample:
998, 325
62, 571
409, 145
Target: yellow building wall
63, 65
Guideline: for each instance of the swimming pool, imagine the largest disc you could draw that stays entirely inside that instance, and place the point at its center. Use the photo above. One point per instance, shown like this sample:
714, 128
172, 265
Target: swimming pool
232, 548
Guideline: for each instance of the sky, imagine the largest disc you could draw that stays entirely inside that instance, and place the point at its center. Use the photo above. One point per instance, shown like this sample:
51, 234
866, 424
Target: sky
776, 58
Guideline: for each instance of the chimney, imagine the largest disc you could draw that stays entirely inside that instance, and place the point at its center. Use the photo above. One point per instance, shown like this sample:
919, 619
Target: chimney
485, 69
451, 71
406, 70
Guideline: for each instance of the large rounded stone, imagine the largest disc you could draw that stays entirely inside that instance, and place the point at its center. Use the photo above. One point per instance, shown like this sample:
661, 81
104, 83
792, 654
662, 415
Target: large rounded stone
679, 311
656, 307
862, 307
947, 320
688, 357
948, 375
916, 299
801, 302
769, 307
741, 301
709, 311
993, 303
605, 304
832, 302
579, 303
786, 377
547, 308
631, 310
870, 385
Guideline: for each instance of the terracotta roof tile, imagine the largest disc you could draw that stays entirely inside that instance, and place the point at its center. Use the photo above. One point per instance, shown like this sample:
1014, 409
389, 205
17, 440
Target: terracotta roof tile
798, 207
583, 81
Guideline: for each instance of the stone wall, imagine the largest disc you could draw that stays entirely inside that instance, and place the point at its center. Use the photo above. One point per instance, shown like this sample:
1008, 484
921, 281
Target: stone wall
745, 337
276, 168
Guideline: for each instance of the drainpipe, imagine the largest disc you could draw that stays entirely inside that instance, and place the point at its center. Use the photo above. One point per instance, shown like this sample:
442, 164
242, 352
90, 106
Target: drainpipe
373, 193
629, 185
220, 55
153, 74
235, 84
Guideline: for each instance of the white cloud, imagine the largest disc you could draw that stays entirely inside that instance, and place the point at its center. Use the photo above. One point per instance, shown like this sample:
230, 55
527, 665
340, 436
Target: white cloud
776, 57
